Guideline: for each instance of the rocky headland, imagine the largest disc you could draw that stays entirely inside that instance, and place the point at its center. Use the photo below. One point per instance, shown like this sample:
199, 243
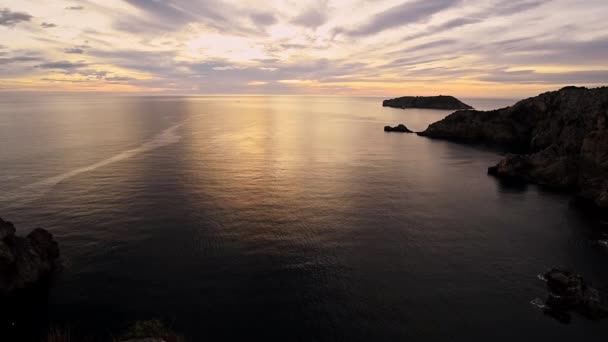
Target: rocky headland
426, 102
25, 261
561, 140
401, 128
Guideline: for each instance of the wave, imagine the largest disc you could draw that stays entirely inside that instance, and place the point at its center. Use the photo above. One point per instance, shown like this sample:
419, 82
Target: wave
34, 191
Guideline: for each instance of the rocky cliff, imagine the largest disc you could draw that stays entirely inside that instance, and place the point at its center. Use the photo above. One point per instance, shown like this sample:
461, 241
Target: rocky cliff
561, 137
428, 102
25, 261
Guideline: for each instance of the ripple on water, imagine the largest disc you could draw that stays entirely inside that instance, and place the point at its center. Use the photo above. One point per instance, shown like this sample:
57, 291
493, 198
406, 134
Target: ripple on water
34, 191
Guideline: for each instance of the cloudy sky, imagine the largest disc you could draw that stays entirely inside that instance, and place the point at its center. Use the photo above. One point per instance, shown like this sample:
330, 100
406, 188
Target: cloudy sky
476, 48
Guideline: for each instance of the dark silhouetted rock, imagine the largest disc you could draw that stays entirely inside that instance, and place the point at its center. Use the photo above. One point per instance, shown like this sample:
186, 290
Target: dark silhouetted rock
568, 292
399, 129
428, 102
562, 137
25, 261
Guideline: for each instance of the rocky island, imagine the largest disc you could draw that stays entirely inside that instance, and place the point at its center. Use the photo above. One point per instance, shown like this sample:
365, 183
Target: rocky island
561, 140
426, 102
398, 129
25, 261
569, 292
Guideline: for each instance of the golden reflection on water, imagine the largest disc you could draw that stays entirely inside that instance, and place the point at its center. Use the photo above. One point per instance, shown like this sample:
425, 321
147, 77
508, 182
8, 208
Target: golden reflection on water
264, 147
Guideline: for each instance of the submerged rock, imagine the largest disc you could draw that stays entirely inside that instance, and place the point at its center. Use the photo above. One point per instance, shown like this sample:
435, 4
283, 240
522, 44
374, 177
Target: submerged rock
25, 261
568, 292
561, 137
428, 102
399, 129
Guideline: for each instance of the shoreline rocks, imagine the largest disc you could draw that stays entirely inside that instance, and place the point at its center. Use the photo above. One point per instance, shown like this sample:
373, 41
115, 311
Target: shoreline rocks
568, 292
426, 102
398, 129
25, 261
560, 140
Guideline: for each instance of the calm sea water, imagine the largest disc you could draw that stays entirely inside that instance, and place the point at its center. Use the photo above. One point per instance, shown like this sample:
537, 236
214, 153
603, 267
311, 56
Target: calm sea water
282, 218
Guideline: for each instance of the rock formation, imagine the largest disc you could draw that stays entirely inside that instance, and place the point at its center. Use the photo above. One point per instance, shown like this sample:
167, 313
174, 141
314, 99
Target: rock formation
25, 261
399, 129
568, 292
561, 135
428, 102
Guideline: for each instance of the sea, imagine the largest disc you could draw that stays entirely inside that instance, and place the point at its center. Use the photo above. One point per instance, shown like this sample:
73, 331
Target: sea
282, 218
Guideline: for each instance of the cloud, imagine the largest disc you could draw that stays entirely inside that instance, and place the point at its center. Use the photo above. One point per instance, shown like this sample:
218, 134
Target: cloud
293, 46
416, 60
441, 43
228, 46
446, 26
161, 17
160, 63
516, 6
500, 9
63, 65
91, 76
119, 79
10, 18
263, 19
405, 14
533, 77
74, 50
229, 67
311, 18
181, 11
19, 59
538, 50
52, 79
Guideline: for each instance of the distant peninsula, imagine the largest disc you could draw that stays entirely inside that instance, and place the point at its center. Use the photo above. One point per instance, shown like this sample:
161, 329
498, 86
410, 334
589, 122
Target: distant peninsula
559, 139
427, 102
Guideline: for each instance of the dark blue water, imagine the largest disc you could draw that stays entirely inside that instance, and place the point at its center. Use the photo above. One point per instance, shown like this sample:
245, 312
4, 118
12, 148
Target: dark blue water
283, 218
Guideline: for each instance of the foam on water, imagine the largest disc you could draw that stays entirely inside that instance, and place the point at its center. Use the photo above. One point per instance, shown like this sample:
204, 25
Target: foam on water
34, 191
537, 302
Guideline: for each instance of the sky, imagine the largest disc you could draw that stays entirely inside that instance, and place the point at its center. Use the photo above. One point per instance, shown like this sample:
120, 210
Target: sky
469, 48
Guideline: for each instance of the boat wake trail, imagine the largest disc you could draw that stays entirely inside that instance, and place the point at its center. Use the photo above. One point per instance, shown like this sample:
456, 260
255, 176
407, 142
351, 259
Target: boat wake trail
34, 191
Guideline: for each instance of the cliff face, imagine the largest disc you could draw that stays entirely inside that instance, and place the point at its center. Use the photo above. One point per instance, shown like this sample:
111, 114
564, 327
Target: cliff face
428, 102
25, 261
563, 136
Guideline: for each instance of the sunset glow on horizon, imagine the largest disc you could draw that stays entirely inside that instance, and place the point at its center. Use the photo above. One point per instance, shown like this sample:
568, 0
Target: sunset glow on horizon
468, 48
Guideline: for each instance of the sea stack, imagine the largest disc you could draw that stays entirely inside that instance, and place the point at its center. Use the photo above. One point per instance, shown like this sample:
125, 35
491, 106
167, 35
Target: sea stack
426, 102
